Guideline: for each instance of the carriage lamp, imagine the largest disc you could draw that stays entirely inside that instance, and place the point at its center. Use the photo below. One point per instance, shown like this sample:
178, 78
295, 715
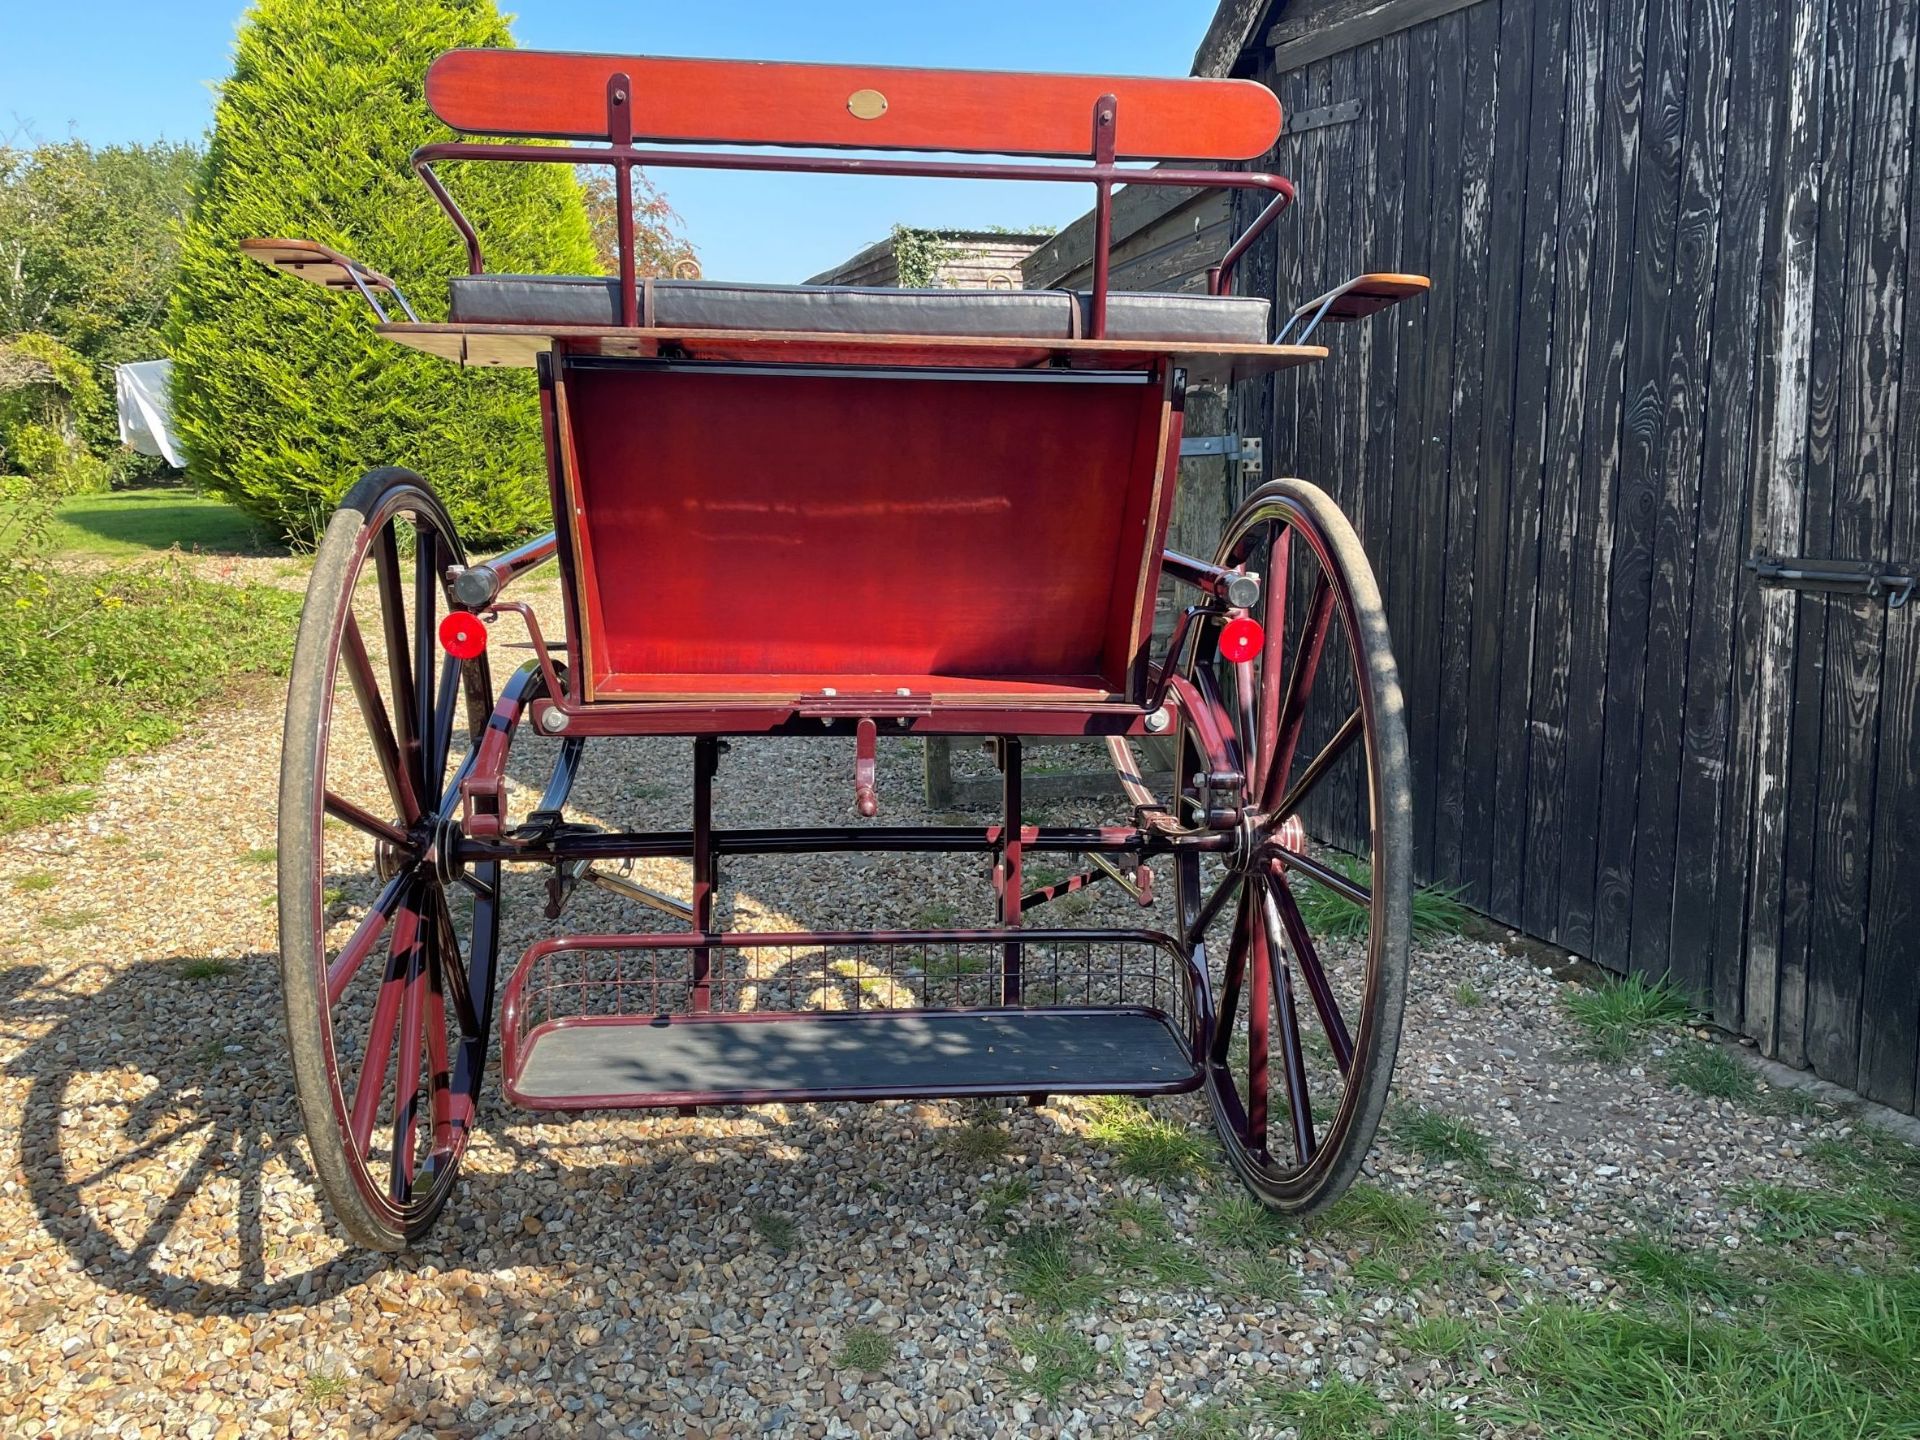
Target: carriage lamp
1241, 639
463, 634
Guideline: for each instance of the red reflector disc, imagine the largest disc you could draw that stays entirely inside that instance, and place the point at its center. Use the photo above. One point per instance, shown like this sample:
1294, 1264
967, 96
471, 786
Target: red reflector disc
1241, 638
463, 635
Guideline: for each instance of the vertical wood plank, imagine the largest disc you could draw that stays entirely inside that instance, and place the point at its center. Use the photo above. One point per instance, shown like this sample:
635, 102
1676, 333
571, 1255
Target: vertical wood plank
1486, 744
1863, 477
1453, 841
1573, 297
1689, 347
1642, 433
1764, 718
1616, 191
1434, 496
1753, 89
1532, 378
1831, 340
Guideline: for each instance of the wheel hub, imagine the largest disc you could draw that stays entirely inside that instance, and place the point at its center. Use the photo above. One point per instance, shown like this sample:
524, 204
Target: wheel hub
388, 859
1250, 843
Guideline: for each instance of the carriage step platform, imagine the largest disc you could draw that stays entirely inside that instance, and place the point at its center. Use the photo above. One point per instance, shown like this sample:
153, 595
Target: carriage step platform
749, 1058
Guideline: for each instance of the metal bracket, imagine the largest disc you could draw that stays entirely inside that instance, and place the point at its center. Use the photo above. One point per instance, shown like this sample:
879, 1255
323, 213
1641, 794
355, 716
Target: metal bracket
1321, 115
1233, 445
866, 793
1243, 450
1865, 579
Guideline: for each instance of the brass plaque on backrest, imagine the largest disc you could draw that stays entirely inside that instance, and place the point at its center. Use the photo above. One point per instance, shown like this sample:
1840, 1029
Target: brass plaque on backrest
867, 104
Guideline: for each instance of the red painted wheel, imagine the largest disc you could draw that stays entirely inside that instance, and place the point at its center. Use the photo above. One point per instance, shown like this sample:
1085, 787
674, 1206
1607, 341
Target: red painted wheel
387, 955
1307, 942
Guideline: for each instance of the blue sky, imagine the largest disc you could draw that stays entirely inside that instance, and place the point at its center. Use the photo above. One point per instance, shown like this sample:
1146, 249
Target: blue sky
116, 70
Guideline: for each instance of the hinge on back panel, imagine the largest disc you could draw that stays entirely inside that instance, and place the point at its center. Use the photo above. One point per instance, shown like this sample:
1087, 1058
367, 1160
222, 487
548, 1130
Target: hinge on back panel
1866, 579
861, 704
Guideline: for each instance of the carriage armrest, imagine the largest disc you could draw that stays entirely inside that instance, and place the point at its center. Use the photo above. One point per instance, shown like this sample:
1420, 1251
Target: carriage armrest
1355, 300
318, 265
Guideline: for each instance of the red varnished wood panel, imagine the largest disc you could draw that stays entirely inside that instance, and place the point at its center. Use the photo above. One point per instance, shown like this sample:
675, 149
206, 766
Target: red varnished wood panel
853, 530
564, 96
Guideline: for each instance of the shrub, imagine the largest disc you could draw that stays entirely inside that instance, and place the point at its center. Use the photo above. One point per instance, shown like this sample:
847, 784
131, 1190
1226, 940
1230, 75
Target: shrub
46, 391
284, 396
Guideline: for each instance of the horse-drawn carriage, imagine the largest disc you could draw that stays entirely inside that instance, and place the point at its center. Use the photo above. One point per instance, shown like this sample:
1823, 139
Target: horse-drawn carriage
843, 515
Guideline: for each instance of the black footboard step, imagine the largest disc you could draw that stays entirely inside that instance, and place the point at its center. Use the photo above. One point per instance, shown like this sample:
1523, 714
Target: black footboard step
748, 1058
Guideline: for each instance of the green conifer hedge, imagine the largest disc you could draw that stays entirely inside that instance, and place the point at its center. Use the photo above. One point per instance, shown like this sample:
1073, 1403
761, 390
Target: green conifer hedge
281, 392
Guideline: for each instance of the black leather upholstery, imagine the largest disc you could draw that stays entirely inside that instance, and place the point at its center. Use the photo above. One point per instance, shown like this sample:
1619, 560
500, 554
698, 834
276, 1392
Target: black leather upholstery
854, 310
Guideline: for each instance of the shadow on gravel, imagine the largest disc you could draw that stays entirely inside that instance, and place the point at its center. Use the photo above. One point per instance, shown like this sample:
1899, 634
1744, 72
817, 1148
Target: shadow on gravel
114, 1165
160, 1144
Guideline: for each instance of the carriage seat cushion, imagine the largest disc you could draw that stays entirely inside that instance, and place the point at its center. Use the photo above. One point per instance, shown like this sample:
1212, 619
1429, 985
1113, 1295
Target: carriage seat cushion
857, 310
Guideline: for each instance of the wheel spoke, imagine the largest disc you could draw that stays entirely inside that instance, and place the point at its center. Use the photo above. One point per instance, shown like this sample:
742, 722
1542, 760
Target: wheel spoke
1259, 1018
449, 971
386, 1017
477, 978
360, 944
406, 1080
1230, 981
373, 710
426, 559
1327, 876
1300, 677
1292, 1059
393, 618
1316, 771
1307, 957
1211, 910
341, 808
441, 738
1252, 751
1275, 623
439, 1073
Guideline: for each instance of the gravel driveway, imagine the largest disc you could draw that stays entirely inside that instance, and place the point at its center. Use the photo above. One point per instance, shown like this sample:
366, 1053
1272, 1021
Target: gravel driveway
165, 1268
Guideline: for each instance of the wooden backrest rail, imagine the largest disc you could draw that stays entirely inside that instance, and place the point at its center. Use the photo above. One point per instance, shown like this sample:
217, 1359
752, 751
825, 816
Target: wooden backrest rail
597, 97
530, 94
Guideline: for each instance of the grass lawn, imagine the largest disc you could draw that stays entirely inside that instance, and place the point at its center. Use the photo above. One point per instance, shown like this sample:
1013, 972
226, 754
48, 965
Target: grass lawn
109, 661
109, 664
136, 522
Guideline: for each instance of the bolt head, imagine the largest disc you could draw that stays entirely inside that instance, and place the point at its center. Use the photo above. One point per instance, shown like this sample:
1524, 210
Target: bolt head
1158, 721
1243, 591
553, 721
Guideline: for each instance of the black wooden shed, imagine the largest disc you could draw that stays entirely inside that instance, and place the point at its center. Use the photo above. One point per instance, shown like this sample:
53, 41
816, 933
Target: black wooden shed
1674, 338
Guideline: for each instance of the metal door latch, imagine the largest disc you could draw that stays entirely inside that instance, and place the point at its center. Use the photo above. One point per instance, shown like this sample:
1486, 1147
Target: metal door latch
1868, 579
